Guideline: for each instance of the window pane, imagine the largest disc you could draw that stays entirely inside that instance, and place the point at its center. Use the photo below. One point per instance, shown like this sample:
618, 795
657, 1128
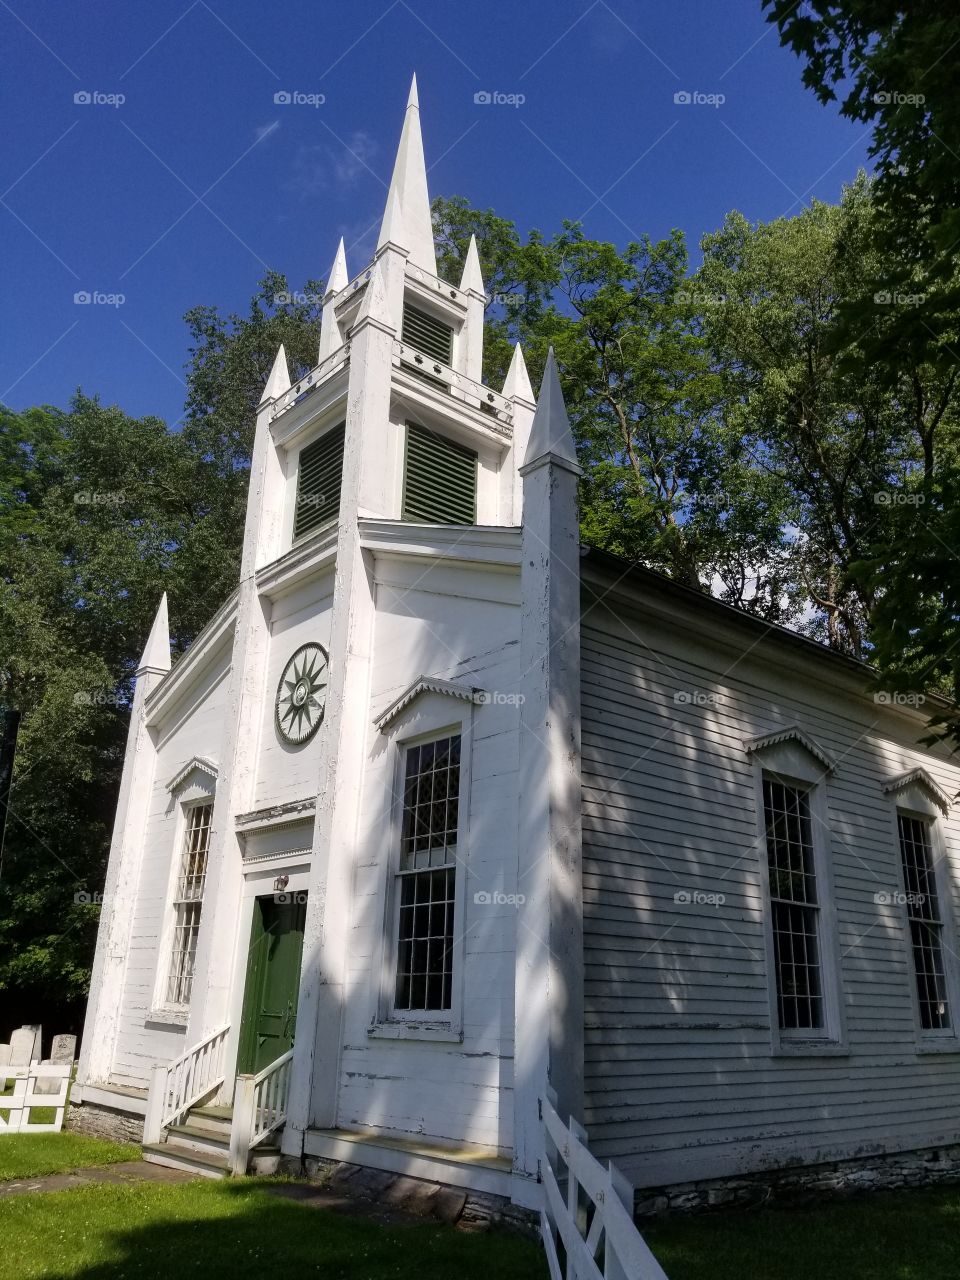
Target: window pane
793, 893
923, 917
187, 904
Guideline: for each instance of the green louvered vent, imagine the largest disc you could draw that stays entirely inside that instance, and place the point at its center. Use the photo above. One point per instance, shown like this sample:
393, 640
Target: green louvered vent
318, 482
439, 479
431, 336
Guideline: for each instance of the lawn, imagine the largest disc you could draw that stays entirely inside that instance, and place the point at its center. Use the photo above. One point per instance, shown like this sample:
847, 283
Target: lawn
233, 1229
28, 1155
908, 1235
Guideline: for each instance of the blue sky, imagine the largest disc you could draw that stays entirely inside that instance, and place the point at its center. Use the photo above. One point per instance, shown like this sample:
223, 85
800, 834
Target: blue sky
194, 184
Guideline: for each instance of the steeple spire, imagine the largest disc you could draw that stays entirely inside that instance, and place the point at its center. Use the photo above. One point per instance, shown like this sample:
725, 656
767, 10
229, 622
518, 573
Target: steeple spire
337, 280
517, 382
409, 185
472, 278
156, 652
279, 380
550, 435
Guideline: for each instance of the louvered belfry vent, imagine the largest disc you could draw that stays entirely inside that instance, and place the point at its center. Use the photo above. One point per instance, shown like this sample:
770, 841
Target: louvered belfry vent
318, 482
439, 479
427, 334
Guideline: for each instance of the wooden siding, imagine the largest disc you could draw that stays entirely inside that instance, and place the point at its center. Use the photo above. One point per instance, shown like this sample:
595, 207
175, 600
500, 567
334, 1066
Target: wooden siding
682, 1076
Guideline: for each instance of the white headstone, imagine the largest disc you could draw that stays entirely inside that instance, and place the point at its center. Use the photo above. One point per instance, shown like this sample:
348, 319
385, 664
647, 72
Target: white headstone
64, 1049
22, 1044
4, 1054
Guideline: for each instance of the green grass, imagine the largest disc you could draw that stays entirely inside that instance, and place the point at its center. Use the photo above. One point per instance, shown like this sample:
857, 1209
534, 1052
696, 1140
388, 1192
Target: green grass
902, 1235
235, 1229
28, 1155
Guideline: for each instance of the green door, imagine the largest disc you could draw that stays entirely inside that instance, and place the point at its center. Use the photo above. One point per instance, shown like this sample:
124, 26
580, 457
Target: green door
273, 981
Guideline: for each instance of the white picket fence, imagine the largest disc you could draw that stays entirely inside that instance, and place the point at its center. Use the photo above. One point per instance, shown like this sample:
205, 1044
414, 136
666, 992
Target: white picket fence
587, 1222
18, 1104
259, 1109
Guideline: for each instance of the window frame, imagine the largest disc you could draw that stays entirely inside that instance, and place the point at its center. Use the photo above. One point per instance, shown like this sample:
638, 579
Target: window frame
791, 764
165, 1009
914, 802
389, 1020
294, 539
445, 437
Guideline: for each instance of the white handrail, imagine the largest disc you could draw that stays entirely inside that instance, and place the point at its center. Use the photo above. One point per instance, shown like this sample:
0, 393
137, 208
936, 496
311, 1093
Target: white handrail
259, 1109
608, 1224
181, 1084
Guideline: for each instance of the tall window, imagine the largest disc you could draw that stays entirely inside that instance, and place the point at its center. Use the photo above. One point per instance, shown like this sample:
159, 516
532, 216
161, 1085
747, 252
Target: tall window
188, 899
319, 479
926, 926
439, 479
427, 876
794, 905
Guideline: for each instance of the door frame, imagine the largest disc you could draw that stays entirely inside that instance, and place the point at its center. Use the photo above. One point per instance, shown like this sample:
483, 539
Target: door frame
258, 881
257, 972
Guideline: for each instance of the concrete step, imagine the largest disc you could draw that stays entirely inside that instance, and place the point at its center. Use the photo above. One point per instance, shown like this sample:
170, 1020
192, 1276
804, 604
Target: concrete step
200, 1137
174, 1155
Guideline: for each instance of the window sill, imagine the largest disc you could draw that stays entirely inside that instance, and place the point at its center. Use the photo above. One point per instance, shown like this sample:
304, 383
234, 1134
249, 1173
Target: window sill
951, 1045
169, 1017
400, 1030
810, 1049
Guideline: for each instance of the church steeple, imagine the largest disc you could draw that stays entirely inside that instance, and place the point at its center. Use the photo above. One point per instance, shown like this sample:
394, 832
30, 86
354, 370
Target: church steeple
408, 186
336, 281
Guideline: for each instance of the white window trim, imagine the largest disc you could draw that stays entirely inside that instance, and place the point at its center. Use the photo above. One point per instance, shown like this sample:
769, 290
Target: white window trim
914, 801
792, 762
424, 724
162, 1010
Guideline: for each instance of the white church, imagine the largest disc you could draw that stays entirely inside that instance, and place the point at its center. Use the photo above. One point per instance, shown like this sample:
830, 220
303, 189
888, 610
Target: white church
444, 814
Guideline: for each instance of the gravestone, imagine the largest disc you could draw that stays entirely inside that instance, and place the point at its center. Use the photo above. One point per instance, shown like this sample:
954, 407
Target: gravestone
64, 1049
22, 1045
4, 1054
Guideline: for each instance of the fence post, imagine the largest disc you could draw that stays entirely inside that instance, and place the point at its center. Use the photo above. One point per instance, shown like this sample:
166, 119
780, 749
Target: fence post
241, 1128
156, 1101
623, 1189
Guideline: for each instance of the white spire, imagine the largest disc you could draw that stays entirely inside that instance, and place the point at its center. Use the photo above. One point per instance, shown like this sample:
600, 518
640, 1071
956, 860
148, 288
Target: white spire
336, 281
550, 434
279, 379
516, 385
393, 230
338, 278
409, 185
156, 653
374, 305
472, 278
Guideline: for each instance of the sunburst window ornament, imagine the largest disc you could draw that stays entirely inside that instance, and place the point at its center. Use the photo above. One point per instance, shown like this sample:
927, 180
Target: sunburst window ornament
302, 695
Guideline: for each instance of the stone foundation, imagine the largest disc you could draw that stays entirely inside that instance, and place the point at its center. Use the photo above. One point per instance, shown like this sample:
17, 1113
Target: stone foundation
467, 1210
104, 1122
935, 1165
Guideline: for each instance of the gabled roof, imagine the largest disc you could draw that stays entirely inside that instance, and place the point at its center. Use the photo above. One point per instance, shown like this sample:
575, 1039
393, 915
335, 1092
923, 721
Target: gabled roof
427, 684
920, 778
198, 764
792, 733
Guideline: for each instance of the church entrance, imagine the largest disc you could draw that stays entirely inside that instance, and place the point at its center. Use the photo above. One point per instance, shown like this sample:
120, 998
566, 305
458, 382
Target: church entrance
269, 1021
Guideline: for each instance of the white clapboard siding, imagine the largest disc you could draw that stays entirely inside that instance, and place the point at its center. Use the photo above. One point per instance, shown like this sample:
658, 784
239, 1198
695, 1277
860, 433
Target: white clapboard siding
681, 1077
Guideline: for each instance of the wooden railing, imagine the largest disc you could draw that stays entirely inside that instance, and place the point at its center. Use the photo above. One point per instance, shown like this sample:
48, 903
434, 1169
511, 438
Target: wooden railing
457, 384
259, 1109
183, 1083
596, 1239
38, 1085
